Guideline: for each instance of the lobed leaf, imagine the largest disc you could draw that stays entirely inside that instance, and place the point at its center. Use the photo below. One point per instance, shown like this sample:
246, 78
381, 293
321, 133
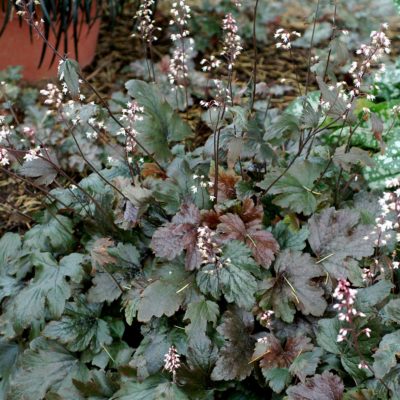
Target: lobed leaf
248, 229
336, 236
320, 387
180, 234
234, 358
295, 189
295, 286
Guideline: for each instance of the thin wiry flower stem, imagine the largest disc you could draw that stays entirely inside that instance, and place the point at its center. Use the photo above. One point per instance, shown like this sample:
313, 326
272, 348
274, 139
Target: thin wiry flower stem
255, 55
334, 30
310, 48
91, 166
298, 154
91, 87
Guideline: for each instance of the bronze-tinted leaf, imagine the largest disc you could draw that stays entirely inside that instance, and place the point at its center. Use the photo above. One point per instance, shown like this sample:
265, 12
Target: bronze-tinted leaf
273, 355
99, 253
180, 234
248, 229
294, 286
44, 168
226, 184
321, 387
234, 357
336, 236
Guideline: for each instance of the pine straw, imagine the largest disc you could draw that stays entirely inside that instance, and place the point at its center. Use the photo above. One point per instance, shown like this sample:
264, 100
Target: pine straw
17, 204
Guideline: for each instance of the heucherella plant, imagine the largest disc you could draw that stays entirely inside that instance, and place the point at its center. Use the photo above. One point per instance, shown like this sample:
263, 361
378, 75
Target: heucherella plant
244, 253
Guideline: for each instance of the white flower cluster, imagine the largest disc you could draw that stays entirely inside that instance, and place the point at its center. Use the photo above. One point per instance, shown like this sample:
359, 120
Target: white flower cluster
4, 133
370, 54
131, 115
345, 307
180, 17
178, 67
208, 65
387, 224
4, 129
53, 94
284, 38
172, 360
208, 248
29, 132
221, 98
264, 340
145, 22
32, 154
232, 43
266, 318
390, 206
203, 183
4, 159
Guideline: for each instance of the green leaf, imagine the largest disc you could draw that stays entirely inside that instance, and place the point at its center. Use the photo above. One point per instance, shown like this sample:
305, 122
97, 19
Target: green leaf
159, 298
208, 281
336, 236
9, 355
239, 254
105, 287
127, 255
234, 277
237, 285
49, 288
295, 189
277, 378
385, 356
176, 189
80, 328
306, 364
294, 287
170, 391
372, 295
10, 245
391, 311
130, 301
68, 71
157, 338
47, 367
153, 388
194, 375
199, 314
350, 362
52, 234
289, 239
99, 386
328, 330
161, 125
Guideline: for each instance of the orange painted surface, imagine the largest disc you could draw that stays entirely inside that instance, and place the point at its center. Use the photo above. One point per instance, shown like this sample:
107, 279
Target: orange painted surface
17, 48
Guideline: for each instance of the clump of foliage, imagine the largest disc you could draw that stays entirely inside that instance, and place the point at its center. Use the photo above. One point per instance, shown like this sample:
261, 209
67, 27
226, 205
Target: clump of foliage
261, 263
